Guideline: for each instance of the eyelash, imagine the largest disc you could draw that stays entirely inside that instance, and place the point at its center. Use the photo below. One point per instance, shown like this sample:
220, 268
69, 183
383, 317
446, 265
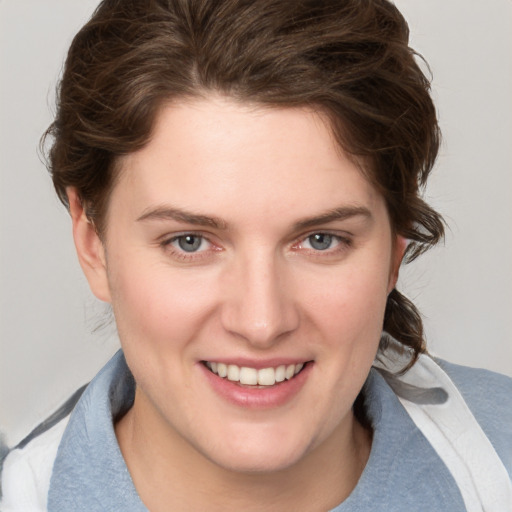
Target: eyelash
183, 255
343, 243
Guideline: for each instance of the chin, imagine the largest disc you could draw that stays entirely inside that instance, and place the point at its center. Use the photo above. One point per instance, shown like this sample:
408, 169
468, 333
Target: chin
258, 464
258, 455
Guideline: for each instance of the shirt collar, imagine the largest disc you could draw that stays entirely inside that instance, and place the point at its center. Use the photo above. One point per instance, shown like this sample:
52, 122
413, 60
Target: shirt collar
89, 472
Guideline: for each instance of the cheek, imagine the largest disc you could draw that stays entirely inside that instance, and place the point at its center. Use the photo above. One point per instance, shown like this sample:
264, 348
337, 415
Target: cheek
352, 302
348, 318
155, 306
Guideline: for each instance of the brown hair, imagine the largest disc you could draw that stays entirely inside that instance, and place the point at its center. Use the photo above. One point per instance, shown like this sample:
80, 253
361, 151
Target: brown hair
349, 59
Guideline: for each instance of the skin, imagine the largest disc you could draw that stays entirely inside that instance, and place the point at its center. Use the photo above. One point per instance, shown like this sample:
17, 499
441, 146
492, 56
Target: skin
256, 288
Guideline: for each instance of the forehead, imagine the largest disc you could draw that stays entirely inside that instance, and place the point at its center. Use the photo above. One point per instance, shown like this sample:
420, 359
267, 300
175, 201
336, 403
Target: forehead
220, 155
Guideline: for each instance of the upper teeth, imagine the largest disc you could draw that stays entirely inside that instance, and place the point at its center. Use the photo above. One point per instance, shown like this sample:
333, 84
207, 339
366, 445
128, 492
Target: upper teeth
252, 376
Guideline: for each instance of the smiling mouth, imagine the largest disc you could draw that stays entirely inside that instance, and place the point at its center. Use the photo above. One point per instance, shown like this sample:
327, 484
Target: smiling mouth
246, 376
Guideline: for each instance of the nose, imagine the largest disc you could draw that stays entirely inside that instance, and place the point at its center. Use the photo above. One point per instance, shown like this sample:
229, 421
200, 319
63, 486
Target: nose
259, 305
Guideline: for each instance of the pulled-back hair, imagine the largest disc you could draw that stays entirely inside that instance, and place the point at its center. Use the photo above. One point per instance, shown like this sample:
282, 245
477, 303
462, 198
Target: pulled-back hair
348, 59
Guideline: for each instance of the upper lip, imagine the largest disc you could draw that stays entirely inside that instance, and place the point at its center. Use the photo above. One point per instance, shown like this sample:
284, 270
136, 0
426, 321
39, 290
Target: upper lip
258, 364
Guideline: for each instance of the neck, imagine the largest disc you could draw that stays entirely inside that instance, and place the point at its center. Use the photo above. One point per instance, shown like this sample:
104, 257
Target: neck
170, 474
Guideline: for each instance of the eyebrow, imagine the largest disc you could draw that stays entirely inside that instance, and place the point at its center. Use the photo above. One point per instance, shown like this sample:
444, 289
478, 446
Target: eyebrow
179, 215
341, 213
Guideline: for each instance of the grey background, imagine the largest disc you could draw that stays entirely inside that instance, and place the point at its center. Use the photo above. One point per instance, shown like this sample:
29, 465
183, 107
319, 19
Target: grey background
47, 315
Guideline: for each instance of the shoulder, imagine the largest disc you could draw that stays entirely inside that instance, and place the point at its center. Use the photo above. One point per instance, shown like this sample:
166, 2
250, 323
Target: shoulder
489, 396
27, 470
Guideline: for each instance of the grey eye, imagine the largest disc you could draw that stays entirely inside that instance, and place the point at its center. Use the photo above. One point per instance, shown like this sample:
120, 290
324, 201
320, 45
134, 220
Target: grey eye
190, 243
320, 241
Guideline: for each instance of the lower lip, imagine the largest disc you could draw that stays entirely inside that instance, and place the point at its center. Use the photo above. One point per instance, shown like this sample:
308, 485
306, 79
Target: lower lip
257, 397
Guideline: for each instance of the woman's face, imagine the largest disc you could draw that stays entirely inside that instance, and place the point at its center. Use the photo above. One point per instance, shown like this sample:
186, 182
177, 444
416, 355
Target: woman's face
241, 240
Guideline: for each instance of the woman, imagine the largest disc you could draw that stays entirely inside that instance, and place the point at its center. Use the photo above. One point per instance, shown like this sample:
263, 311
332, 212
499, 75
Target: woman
243, 180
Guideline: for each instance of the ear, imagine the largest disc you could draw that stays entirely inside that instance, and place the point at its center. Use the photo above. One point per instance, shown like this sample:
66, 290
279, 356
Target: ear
89, 248
399, 247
